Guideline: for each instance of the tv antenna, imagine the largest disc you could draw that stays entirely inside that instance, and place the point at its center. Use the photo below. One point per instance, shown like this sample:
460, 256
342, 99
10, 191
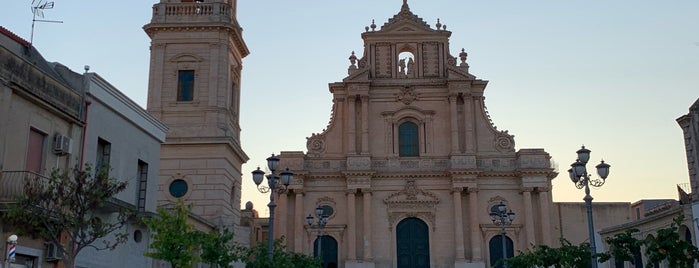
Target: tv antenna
38, 7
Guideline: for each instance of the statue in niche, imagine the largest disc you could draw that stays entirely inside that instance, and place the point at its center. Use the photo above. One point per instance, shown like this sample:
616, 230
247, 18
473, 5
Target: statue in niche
401, 68
411, 67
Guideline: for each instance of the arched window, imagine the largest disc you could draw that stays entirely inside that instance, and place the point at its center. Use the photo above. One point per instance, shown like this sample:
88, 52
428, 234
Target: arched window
408, 139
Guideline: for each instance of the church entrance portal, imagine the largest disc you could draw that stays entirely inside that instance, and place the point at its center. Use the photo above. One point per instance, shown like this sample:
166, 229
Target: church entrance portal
496, 253
328, 246
412, 244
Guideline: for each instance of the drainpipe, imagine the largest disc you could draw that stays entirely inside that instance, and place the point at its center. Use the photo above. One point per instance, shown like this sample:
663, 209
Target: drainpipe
84, 138
87, 112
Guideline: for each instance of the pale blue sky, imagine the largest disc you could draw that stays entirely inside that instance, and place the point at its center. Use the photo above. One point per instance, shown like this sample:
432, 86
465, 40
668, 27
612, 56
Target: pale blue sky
613, 75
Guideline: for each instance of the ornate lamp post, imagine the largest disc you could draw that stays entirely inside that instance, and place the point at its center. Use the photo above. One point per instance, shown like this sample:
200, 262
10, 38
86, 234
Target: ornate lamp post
503, 218
272, 188
578, 174
322, 220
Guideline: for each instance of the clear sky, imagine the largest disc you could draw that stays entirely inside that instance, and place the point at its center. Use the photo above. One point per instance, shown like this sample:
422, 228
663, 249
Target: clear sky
613, 75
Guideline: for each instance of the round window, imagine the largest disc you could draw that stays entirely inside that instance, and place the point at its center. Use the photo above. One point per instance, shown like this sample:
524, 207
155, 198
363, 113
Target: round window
178, 188
327, 210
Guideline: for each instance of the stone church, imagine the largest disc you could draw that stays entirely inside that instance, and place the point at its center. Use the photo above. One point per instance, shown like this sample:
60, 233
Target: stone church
407, 171
410, 165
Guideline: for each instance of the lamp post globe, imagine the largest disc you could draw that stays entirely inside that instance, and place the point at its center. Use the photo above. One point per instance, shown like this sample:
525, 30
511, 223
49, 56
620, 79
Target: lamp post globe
320, 224
501, 217
273, 188
582, 180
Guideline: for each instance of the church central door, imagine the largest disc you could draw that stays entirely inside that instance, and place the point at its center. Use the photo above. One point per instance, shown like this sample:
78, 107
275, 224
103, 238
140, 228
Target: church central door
413, 246
328, 247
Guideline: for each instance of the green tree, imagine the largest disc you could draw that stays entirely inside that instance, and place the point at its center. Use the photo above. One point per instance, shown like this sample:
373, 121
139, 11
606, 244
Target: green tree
667, 246
174, 240
256, 257
622, 247
566, 256
217, 248
69, 203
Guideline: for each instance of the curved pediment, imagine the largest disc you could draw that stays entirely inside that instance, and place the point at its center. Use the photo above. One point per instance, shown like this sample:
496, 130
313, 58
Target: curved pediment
185, 57
411, 194
411, 202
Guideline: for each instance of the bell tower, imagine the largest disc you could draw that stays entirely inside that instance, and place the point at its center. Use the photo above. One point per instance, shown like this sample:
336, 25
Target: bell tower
196, 57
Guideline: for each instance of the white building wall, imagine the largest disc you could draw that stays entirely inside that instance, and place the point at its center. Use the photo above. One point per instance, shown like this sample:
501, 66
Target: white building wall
134, 135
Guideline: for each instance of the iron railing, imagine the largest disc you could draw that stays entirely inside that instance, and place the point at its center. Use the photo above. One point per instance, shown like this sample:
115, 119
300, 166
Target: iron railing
12, 183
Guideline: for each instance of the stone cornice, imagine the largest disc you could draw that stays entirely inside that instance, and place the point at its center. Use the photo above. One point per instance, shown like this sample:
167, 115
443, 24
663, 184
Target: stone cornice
358, 173
234, 31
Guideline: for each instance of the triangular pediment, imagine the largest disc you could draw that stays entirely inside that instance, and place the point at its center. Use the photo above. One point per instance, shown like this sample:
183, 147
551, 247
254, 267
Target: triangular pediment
360, 75
405, 20
457, 74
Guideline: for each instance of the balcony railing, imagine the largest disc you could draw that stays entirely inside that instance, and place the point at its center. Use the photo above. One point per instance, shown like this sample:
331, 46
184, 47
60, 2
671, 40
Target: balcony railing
12, 183
192, 12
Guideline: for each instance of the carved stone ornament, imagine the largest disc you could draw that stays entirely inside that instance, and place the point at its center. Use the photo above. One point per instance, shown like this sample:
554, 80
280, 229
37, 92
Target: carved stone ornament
406, 95
315, 144
411, 202
504, 142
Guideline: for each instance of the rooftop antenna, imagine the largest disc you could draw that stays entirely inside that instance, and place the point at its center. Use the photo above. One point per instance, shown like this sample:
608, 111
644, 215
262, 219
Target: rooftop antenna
38, 7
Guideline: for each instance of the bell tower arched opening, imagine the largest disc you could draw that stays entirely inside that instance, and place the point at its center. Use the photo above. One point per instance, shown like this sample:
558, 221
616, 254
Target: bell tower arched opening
406, 64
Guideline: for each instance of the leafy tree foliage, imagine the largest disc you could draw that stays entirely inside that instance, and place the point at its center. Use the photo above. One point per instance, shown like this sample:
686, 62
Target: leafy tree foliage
174, 240
668, 246
566, 256
256, 257
217, 249
622, 247
177, 242
69, 203
665, 247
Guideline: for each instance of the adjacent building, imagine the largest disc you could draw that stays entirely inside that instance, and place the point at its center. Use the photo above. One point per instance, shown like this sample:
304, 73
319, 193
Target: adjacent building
54, 118
41, 124
690, 130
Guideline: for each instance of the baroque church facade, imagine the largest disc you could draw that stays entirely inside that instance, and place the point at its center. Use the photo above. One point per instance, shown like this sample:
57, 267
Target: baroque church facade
410, 165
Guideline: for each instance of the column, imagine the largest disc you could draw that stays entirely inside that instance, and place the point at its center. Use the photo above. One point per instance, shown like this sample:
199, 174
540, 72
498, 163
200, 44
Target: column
282, 220
458, 225
367, 224
298, 216
469, 118
544, 202
473, 225
454, 125
155, 101
352, 132
365, 124
351, 226
528, 216
214, 68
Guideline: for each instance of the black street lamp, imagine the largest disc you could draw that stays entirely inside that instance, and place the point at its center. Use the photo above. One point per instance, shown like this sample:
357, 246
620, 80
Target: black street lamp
578, 174
503, 218
272, 188
322, 220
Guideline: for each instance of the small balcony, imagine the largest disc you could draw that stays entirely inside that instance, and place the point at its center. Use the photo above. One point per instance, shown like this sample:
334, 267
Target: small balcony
12, 183
192, 13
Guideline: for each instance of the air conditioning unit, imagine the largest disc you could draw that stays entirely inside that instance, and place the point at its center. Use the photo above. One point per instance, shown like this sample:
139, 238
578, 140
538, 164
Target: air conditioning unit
53, 252
62, 145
